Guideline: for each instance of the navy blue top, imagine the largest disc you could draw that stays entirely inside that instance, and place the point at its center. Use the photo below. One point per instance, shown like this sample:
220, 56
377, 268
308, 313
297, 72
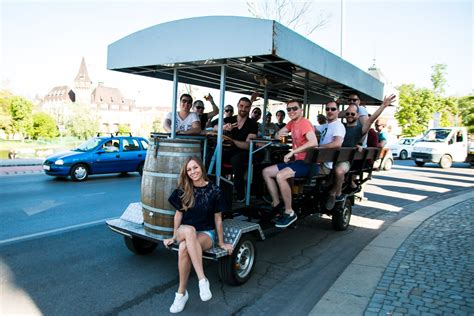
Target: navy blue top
208, 200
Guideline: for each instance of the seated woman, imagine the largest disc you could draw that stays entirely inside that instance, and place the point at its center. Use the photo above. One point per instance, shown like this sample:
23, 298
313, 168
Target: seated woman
197, 226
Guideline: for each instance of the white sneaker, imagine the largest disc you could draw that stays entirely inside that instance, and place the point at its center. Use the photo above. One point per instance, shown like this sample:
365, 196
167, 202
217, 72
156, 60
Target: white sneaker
179, 302
204, 290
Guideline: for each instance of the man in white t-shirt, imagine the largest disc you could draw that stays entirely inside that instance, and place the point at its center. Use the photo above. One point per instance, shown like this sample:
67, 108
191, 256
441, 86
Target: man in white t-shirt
186, 122
332, 136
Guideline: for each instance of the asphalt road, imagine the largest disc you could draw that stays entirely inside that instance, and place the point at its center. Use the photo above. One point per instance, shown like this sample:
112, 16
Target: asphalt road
71, 269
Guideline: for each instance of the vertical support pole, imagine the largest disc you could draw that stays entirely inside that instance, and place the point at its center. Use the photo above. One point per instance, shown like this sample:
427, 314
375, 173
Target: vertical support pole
174, 103
305, 101
265, 107
220, 125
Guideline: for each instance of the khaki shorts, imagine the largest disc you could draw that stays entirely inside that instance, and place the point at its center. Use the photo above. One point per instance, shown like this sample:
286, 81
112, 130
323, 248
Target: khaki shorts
345, 165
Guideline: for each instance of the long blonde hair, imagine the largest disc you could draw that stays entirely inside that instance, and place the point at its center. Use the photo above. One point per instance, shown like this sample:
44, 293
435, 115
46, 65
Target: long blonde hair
186, 184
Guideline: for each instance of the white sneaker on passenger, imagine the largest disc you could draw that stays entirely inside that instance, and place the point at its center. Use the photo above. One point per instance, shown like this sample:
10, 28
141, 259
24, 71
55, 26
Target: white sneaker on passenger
179, 302
204, 290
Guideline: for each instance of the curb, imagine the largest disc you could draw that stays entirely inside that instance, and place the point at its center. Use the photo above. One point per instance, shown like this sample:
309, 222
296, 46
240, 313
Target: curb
352, 291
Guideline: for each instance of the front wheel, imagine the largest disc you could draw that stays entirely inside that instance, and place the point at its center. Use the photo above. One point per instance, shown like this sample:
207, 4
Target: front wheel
388, 164
342, 217
237, 268
79, 172
403, 155
446, 162
420, 163
139, 245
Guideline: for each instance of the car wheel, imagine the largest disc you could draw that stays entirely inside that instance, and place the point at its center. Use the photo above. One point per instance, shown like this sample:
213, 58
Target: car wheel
140, 169
79, 172
420, 163
403, 155
446, 162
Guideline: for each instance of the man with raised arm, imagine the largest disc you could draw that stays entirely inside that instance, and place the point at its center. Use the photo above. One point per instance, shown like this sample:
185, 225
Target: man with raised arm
186, 122
355, 131
205, 118
276, 176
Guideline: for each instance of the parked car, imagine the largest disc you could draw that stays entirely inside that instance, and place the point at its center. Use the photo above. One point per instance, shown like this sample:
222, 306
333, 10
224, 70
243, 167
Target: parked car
111, 154
403, 148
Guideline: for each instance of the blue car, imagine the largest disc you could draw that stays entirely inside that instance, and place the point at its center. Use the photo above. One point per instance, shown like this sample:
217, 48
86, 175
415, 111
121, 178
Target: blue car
98, 155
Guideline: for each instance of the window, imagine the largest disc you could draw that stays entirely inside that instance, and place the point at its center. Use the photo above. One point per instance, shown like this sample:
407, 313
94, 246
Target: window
130, 144
144, 144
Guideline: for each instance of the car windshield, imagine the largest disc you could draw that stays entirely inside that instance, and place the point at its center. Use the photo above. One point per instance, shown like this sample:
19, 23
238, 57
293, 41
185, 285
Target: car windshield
89, 145
436, 135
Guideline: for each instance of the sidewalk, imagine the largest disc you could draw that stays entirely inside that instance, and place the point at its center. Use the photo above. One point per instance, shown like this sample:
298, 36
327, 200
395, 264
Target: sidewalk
20, 166
422, 264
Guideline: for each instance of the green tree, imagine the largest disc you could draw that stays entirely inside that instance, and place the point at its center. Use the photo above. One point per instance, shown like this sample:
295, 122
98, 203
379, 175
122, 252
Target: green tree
466, 111
438, 78
123, 129
6, 122
21, 113
44, 126
82, 123
415, 110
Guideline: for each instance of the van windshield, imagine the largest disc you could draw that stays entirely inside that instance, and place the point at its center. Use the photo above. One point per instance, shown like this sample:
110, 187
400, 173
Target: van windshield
436, 135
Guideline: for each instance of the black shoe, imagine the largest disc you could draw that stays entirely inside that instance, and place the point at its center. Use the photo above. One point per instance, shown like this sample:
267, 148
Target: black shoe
340, 198
279, 208
286, 220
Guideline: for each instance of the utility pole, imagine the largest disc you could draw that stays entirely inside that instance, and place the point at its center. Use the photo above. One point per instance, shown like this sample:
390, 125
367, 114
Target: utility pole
342, 29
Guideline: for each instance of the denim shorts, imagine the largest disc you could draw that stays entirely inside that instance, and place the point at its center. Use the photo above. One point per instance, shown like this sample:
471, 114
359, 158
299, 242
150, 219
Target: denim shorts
211, 233
300, 168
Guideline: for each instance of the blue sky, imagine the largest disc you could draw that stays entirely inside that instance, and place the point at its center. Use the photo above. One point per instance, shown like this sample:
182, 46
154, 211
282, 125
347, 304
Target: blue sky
42, 42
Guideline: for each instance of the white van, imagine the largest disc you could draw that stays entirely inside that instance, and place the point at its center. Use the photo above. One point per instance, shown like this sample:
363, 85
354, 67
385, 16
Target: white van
443, 145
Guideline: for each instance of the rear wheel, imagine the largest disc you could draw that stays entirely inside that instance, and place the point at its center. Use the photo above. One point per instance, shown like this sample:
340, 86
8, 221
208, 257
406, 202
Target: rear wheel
139, 245
446, 162
342, 216
403, 155
79, 172
420, 163
237, 268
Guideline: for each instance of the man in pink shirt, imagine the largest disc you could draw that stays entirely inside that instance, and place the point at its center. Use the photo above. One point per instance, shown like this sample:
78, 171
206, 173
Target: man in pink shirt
276, 176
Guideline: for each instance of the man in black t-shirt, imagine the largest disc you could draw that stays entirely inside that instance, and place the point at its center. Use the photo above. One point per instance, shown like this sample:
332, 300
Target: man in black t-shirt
241, 128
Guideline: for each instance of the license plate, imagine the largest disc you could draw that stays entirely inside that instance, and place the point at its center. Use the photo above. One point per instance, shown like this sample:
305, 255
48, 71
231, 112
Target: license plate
419, 159
46, 167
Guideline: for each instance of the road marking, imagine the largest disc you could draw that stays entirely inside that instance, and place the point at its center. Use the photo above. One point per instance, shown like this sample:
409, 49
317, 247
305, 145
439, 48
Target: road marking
41, 207
54, 231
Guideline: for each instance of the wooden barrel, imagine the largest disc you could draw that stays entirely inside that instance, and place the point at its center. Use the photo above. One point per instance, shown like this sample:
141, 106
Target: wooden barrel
163, 162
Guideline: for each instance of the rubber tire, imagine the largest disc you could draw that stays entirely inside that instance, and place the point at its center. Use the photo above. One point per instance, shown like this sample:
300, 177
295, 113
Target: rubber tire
341, 218
226, 265
140, 169
403, 155
139, 246
446, 162
76, 167
420, 163
388, 164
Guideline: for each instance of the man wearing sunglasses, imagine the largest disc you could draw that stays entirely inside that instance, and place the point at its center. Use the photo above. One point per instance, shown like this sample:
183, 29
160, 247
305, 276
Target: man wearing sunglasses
198, 107
186, 122
276, 176
355, 131
228, 112
332, 136
240, 128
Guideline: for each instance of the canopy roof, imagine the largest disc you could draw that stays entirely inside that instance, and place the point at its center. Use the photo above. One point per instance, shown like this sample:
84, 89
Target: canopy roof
256, 52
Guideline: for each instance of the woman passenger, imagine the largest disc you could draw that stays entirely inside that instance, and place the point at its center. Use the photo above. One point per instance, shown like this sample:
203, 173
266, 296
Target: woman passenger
197, 227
